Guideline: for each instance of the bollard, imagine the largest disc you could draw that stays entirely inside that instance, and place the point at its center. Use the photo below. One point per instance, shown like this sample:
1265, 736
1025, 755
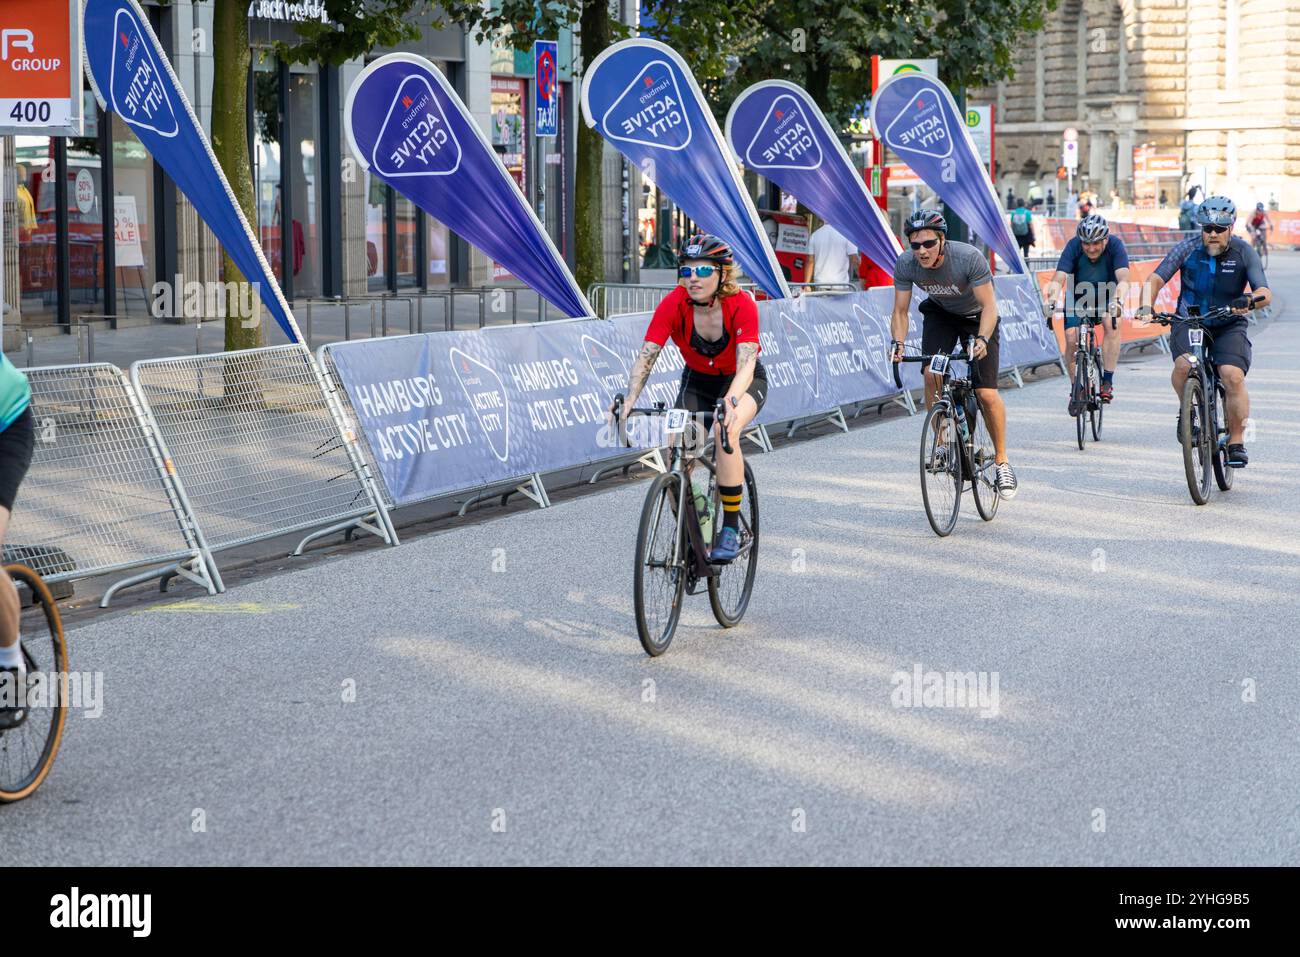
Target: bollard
384, 326
420, 316
31, 350
308, 323
347, 322
482, 309
372, 318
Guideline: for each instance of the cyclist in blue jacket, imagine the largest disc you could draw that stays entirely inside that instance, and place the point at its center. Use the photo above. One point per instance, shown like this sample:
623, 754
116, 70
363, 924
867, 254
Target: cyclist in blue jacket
1215, 270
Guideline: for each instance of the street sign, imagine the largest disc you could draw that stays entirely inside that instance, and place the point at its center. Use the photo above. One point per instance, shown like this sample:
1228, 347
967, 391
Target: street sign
889, 67
546, 56
1070, 156
40, 67
979, 123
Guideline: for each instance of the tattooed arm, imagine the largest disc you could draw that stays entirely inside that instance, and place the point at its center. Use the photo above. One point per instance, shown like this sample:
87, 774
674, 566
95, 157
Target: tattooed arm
746, 357
640, 373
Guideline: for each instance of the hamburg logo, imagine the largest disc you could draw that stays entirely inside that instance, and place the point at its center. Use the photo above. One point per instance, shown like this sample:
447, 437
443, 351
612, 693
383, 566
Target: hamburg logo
606, 365
487, 397
805, 353
135, 82
415, 138
784, 140
650, 111
921, 127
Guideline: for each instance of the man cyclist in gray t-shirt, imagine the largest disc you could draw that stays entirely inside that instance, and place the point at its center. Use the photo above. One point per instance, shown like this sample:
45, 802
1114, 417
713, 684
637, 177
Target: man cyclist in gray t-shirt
959, 285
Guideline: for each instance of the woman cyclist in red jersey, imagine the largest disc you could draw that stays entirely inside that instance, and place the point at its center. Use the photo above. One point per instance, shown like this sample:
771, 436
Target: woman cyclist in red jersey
715, 325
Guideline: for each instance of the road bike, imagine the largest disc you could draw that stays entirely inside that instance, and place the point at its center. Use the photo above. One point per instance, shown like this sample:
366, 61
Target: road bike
27, 749
1088, 371
955, 446
1201, 425
679, 526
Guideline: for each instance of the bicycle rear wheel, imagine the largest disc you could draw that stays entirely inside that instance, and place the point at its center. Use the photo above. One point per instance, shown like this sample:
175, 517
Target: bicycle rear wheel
1096, 408
941, 470
729, 592
984, 464
1081, 365
1197, 439
1222, 471
27, 751
659, 578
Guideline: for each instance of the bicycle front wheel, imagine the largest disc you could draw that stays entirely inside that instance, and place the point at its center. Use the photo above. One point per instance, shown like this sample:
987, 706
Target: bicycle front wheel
27, 750
659, 579
729, 591
941, 470
1197, 434
984, 464
1081, 366
1222, 471
1096, 408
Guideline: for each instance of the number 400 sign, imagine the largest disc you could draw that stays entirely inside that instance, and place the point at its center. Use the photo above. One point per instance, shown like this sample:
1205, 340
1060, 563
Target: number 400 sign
40, 67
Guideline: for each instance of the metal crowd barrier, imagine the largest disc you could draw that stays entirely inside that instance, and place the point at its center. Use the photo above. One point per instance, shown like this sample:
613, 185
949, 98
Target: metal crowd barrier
101, 495
261, 445
620, 299
529, 485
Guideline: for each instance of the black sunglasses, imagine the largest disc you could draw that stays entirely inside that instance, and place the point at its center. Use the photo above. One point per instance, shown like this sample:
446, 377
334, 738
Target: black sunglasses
1214, 229
928, 244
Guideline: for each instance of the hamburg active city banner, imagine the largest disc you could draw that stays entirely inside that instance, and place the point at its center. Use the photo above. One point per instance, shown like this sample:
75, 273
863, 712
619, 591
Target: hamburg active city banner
642, 97
132, 78
917, 118
407, 126
780, 133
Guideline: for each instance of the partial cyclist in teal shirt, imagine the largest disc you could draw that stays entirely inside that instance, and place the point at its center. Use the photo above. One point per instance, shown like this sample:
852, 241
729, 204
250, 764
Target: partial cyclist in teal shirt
17, 439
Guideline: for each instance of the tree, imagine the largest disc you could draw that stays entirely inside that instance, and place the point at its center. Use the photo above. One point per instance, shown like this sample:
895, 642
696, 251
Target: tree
358, 26
826, 46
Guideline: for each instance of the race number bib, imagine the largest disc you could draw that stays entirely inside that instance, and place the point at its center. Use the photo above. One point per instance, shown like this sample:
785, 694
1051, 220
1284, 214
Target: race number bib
1195, 336
939, 364
675, 421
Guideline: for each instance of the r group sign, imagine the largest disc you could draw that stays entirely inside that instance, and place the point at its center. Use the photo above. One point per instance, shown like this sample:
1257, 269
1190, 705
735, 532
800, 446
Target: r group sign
40, 67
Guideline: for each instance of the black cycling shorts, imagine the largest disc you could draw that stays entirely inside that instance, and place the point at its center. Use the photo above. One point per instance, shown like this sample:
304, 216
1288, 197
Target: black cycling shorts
943, 331
16, 444
700, 392
1227, 346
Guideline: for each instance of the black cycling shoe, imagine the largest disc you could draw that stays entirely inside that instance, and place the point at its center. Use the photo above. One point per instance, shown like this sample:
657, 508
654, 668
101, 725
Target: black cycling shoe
1237, 457
10, 695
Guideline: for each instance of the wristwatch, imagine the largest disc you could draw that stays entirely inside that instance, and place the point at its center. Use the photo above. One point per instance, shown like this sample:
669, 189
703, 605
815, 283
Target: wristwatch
983, 339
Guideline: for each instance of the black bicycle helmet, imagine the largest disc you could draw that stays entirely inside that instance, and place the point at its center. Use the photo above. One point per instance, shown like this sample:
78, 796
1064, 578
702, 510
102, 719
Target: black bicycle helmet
1216, 211
705, 246
925, 219
1092, 228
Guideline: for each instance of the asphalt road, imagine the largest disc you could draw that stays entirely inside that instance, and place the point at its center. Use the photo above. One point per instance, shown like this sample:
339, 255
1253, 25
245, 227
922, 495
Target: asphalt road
1143, 649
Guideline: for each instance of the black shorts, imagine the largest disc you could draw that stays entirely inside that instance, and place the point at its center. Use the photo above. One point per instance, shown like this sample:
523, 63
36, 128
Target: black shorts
700, 392
16, 444
942, 331
1227, 346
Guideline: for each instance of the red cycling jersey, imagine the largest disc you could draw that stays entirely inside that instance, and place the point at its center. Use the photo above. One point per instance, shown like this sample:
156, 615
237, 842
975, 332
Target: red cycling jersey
675, 317
1257, 220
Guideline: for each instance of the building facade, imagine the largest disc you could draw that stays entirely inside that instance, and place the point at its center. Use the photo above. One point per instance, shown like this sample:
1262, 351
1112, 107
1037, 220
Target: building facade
1164, 95
327, 227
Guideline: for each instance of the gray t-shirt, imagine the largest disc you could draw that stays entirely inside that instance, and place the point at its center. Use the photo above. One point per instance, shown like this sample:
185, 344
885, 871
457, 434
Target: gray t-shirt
963, 268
